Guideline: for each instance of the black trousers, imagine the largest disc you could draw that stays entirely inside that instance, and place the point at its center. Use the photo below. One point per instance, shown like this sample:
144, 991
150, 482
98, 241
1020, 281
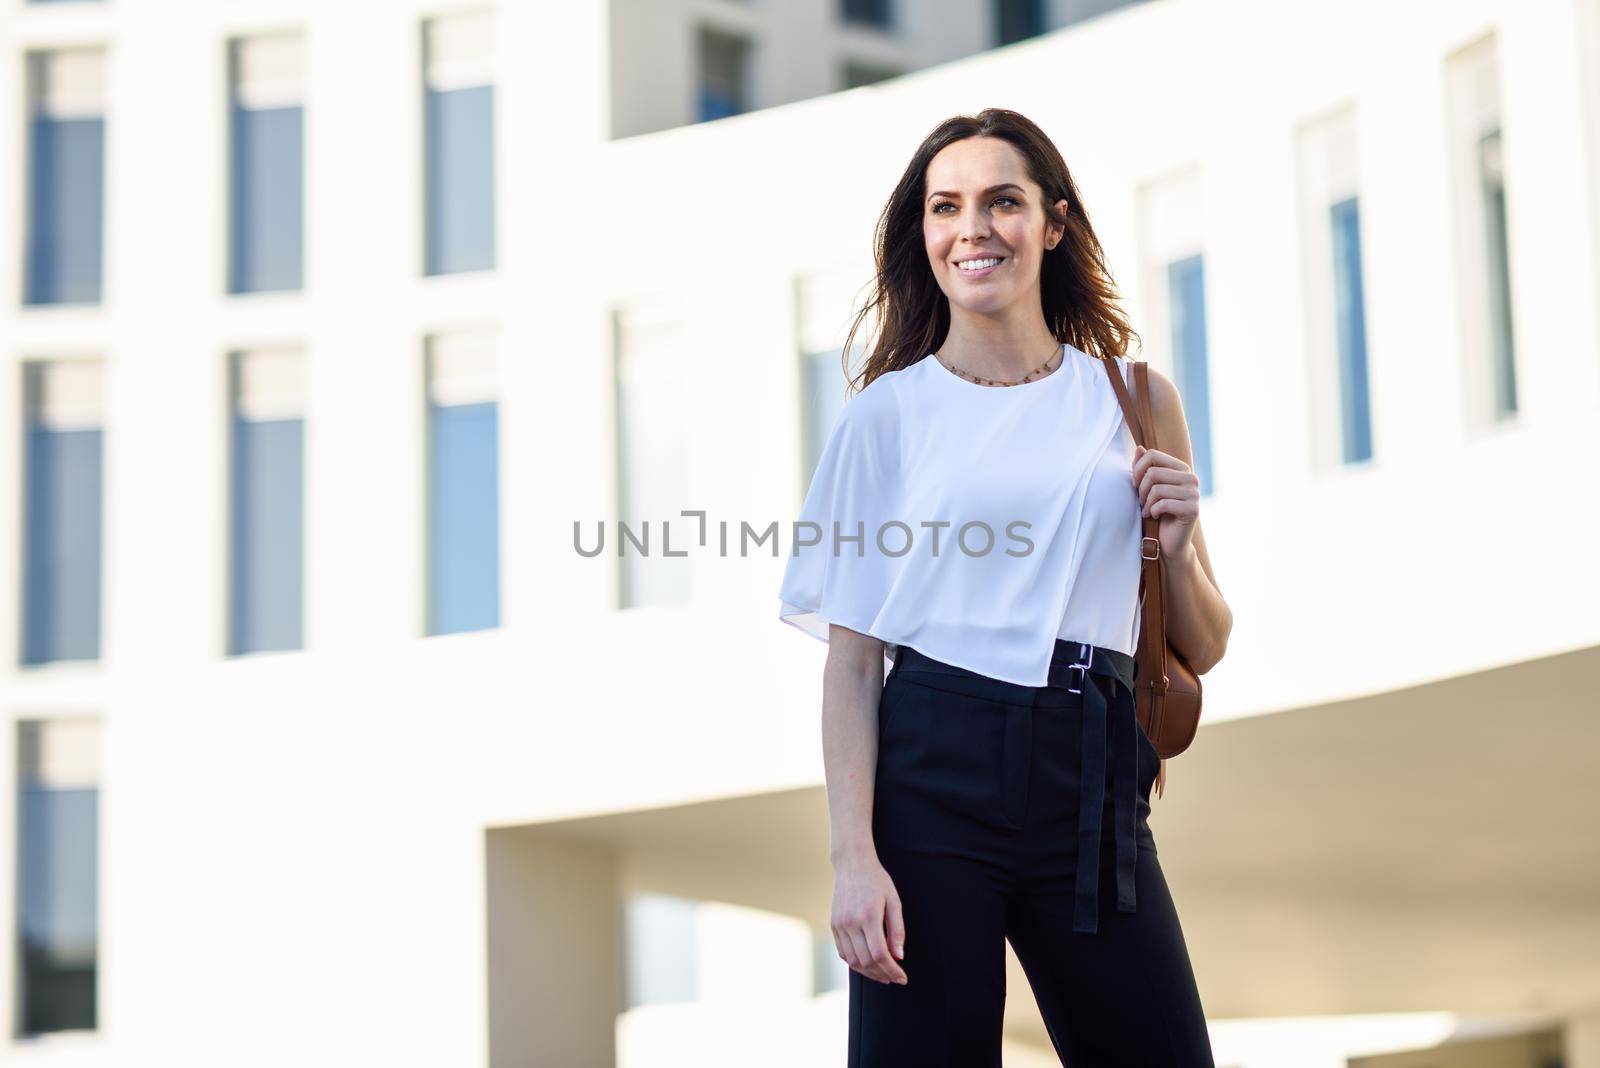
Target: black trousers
1005, 812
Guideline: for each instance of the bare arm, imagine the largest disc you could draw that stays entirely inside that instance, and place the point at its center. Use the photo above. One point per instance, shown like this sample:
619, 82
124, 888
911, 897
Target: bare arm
868, 929
1198, 618
852, 679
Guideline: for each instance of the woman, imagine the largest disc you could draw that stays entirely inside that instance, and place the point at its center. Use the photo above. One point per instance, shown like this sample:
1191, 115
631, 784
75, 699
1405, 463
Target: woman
976, 517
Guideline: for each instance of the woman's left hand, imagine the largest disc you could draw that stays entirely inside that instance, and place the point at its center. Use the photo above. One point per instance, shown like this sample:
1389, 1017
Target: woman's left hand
1169, 489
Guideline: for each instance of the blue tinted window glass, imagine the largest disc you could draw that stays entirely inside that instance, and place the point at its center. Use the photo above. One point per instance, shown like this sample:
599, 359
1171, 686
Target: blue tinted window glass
266, 235
824, 387
1350, 320
460, 174
266, 535
464, 517
867, 12
1186, 280
65, 204
1491, 176
1017, 20
57, 906
62, 554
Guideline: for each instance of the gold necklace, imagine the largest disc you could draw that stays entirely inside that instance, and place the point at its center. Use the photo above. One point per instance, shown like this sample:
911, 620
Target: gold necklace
995, 381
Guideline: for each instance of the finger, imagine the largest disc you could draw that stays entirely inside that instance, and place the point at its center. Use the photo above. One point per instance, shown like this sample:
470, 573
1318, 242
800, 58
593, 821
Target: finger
879, 947
897, 927
863, 964
842, 946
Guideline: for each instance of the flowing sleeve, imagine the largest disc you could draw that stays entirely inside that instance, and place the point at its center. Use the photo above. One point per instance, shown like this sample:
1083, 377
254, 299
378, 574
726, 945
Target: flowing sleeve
855, 489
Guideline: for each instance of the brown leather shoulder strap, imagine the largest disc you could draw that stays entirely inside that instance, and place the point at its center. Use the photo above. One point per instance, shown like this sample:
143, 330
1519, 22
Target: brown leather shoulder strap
1135, 424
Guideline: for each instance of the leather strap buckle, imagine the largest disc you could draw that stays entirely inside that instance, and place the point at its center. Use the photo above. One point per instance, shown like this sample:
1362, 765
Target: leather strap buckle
1149, 548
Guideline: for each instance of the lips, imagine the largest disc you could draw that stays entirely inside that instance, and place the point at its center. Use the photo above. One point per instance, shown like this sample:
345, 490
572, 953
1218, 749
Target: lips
968, 273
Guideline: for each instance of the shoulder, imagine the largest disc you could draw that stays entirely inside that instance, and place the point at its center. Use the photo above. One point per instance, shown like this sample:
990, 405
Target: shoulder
877, 406
1166, 406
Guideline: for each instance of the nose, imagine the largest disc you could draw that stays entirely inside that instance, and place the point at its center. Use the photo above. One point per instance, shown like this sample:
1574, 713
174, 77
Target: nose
975, 226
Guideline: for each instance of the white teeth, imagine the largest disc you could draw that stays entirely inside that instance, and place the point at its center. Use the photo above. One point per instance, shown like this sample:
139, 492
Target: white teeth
977, 265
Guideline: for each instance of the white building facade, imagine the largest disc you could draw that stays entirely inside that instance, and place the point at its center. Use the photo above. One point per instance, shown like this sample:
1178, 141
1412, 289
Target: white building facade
334, 332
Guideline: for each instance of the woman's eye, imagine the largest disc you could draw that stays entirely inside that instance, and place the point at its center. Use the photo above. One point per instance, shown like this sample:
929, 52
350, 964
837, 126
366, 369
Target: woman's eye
947, 204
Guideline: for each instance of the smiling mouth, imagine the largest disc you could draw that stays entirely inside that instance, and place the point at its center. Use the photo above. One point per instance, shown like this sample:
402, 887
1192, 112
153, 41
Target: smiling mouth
979, 266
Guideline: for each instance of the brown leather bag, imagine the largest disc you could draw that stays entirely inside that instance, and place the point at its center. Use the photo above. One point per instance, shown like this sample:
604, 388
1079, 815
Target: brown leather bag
1166, 689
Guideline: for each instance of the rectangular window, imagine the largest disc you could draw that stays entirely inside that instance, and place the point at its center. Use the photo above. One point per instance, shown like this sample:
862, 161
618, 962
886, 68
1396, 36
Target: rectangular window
653, 400
856, 73
266, 520
458, 65
58, 874
463, 483
266, 182
823, 300
823, 385
724, 74
1186, 296
1017, 20
1334, 288
1350, 321
61, 537
876, 13
1172, 268
1484, 281
66, 176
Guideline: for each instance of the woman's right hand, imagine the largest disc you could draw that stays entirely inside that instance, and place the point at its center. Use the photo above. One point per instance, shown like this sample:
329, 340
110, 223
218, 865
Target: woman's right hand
867, 920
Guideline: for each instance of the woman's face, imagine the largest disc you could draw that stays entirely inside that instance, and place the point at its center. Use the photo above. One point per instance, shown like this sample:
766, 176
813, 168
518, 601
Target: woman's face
979, 203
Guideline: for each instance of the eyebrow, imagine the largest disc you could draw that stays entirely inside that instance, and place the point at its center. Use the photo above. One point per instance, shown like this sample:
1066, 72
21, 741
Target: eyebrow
986, 192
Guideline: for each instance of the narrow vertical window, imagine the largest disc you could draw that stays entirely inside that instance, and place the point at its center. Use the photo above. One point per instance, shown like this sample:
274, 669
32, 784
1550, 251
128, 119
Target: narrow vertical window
459, 122
724, 74
266, 519
1497, 263
1186, 295
823, 398
58, 880
463, 483
653, 476
1333, 283
266, 173
62, 506
66, 176
1483, 224
1350, 322
823, 298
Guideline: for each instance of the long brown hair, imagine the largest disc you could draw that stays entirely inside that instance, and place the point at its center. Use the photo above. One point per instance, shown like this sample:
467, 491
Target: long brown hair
913, 315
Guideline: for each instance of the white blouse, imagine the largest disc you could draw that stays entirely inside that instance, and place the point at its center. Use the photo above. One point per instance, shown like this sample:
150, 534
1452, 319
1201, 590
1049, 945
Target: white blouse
976, 524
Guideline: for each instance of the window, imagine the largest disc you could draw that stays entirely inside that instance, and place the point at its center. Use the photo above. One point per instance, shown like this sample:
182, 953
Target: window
1186, 299
724, 74
463, 483
459, 121
1482, 229
66, 180
1172, 265
653, 372
266, 518
61, 552
266, 174
822, 316
1335, 291
1017, 20
856, 73
1355, 420
58, 879
823, 385
875, 13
